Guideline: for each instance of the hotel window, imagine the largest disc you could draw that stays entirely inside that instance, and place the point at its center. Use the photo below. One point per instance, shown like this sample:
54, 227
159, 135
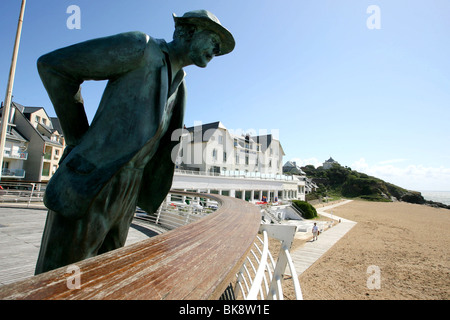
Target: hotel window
220, 139
237, 158
246, 160
214, 154
224, 156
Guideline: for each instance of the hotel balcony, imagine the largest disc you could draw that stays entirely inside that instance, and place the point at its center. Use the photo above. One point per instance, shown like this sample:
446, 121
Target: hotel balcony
13, 174
16, 156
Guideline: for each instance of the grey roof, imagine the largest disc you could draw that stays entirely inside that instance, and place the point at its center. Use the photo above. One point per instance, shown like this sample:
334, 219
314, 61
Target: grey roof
56, 125
16, 135
264, 141
203, 131
290, 164
31, 109
48, 140
23, 109
207, 131
26, 111
18, 106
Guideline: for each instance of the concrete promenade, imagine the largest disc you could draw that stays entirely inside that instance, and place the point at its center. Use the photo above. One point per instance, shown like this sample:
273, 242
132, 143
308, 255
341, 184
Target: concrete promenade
307, 255
20, 239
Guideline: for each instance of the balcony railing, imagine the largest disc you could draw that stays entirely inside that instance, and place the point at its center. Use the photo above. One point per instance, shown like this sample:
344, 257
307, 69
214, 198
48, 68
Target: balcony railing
200, 258
18, 156
237, 174
16, 174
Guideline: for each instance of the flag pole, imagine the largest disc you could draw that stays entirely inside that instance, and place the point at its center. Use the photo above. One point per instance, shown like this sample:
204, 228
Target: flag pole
9, 89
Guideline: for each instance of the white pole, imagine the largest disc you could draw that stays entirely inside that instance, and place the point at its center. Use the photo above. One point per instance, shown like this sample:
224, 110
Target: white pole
7, 104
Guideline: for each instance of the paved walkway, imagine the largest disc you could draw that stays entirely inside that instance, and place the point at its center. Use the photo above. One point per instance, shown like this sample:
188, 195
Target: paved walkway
20, 239
307, 255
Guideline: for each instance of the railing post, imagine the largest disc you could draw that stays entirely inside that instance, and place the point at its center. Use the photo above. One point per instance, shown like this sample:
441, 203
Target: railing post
286, 235
159, 214
31, 194
188, 214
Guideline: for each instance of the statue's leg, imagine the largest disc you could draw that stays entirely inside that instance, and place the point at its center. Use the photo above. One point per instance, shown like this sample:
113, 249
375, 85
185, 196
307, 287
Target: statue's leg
67, 241
118, 232
103, 228
117, 236
118, 208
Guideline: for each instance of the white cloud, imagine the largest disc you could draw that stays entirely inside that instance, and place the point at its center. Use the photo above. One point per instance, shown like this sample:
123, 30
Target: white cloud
414, 177
360, 165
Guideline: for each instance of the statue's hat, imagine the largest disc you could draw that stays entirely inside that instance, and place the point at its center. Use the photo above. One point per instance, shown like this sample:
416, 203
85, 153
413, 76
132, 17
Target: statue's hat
210, 22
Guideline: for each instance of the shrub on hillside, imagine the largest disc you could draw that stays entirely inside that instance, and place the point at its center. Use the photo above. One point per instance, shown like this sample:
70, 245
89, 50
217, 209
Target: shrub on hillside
356, 186
309, 212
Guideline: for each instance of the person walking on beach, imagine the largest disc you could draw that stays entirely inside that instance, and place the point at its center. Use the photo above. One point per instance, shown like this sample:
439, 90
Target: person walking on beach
315, 231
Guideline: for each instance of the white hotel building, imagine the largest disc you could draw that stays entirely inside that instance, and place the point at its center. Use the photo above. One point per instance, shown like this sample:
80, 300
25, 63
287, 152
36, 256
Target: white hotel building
213, 159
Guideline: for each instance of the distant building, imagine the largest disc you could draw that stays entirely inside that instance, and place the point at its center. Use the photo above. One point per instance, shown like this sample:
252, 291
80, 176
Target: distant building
212, 159
214, 149
329, 163
34, 145
310, 186
292, 168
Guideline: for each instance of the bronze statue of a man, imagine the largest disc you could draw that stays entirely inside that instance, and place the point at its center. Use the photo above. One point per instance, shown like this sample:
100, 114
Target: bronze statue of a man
123, 159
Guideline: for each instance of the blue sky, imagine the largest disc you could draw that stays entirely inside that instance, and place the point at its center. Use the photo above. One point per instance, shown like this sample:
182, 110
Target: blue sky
376, 100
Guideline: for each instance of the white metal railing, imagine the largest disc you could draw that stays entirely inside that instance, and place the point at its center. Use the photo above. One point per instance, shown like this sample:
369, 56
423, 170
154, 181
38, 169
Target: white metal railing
237, 174
22, 192
178, 210
260, 278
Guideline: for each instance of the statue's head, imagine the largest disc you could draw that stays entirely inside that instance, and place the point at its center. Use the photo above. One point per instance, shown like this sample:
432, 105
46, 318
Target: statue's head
207, 37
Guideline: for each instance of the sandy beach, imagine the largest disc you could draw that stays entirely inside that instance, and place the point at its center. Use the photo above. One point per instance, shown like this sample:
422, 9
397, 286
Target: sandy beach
407, 245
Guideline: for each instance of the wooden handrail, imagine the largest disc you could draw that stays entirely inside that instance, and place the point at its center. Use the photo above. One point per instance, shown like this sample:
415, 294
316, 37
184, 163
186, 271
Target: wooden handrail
194, 262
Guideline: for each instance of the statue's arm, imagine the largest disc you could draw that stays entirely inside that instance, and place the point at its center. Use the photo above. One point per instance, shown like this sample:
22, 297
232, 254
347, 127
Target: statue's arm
64, 70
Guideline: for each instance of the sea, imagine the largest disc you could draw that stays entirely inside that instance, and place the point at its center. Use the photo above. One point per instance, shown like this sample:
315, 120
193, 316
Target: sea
437, 196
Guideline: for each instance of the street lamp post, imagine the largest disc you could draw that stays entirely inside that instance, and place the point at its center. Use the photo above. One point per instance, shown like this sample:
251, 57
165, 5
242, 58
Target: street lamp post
8, 99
